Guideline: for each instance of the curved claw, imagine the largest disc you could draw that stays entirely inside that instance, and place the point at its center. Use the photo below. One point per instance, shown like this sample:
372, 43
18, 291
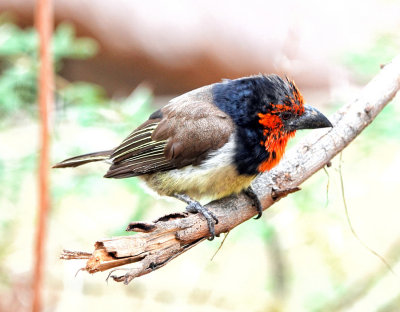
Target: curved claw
258, 216
253, 196
208, 215
213, 216
195, 207
211, 225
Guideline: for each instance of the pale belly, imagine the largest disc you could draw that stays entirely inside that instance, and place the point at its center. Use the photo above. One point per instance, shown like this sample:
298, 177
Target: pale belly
214, 178
199, 181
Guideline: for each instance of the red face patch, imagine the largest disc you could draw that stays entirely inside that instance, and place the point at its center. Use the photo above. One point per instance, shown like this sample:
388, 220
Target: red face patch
296, 100
270, 121
275, 137
276, 147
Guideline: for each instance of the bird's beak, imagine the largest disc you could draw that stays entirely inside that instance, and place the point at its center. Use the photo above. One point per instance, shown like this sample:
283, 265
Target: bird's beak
311, 119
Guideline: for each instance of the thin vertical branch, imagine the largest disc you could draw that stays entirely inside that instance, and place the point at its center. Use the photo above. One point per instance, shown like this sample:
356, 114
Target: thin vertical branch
44, 25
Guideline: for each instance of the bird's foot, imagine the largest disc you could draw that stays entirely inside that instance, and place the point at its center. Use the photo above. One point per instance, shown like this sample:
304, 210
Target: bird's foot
195, 207
253, 196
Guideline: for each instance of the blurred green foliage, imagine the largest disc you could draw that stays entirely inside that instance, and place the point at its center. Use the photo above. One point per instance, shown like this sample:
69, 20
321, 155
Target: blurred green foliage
367, 62
19, 66
83, 93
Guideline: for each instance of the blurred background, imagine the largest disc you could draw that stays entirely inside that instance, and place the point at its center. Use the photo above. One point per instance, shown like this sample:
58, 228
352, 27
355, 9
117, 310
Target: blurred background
116, 62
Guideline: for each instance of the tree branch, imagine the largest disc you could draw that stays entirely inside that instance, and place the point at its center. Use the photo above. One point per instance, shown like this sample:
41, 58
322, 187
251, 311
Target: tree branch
164, 239
44, 26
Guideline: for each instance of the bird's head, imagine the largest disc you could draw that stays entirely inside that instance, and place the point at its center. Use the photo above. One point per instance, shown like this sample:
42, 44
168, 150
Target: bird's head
284, 112
267, 111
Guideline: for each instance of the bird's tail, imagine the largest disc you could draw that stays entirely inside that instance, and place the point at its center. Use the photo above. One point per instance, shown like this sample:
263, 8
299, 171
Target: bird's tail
83, 159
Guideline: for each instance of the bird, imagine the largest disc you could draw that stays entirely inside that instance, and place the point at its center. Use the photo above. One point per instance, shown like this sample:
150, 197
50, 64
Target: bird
213, 141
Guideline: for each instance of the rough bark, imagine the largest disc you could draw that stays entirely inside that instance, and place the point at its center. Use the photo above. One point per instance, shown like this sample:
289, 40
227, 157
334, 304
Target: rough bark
164, 239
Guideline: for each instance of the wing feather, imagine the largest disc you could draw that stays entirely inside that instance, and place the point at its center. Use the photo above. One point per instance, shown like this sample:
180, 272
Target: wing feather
182, 133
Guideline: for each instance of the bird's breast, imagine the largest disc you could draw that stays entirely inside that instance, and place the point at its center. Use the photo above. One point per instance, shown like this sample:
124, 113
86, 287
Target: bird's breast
214, 178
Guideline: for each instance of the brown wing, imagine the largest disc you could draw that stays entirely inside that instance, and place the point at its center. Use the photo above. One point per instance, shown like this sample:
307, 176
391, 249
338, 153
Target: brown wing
181, 133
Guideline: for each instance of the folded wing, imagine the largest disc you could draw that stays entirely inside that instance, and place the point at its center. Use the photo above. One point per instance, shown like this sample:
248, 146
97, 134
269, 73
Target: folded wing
182, 133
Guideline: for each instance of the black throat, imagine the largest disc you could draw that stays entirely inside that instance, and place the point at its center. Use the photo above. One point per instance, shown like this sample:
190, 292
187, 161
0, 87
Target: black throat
243, 99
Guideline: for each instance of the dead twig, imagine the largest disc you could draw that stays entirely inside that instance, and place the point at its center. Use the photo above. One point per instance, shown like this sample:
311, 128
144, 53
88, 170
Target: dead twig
164, 239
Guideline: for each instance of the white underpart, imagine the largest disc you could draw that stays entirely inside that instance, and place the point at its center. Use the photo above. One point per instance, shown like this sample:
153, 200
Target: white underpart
214, 178
217, 160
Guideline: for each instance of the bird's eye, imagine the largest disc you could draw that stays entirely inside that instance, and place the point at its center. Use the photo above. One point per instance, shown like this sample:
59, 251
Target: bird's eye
286, 115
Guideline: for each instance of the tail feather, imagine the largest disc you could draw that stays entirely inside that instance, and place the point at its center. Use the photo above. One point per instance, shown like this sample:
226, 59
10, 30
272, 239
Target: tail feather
83, 159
